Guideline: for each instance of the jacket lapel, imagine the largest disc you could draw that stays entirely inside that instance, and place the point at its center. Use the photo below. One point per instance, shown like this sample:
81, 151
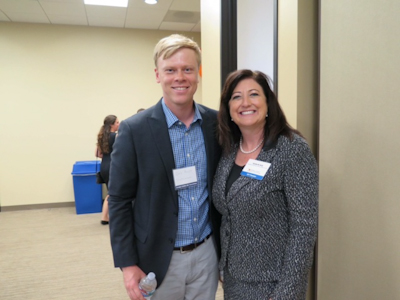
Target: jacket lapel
160, 136
208, 129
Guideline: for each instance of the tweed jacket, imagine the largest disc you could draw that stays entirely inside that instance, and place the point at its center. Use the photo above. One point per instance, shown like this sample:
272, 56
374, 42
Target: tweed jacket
269, 226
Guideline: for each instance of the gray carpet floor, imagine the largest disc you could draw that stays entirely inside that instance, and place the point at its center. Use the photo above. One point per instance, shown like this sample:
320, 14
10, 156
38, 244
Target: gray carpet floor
56, 254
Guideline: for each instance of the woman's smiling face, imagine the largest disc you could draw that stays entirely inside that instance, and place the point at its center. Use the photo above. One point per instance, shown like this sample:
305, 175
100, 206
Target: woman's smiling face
248, 104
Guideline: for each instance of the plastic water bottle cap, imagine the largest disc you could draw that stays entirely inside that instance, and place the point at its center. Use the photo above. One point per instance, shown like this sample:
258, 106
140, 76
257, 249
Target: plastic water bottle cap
151, 276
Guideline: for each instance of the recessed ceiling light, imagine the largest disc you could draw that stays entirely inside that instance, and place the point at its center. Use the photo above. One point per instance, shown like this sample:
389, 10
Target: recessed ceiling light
150, 1
117, 3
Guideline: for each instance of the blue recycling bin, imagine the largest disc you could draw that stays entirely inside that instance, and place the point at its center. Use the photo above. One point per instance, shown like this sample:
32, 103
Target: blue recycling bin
88, 194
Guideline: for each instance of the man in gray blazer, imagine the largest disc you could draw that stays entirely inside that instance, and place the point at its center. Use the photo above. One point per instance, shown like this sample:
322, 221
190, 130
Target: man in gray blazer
164, 159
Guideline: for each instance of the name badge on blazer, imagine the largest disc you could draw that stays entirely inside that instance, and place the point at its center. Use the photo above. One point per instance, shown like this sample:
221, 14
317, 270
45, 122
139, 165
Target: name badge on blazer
184, 177
255, 169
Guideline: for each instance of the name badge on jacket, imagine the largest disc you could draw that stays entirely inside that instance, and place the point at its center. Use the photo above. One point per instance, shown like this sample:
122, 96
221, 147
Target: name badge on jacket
255, 169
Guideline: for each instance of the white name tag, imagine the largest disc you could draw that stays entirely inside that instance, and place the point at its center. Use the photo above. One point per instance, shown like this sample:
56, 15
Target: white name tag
255, 169
184, 177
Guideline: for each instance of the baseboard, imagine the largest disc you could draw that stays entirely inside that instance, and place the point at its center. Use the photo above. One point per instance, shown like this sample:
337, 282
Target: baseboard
36, 206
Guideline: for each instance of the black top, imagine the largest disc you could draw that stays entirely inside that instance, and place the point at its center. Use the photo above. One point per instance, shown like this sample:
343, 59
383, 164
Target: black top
233, 175
106, 160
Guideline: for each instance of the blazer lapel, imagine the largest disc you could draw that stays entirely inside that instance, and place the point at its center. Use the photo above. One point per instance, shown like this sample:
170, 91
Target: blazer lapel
160, 136
208, 128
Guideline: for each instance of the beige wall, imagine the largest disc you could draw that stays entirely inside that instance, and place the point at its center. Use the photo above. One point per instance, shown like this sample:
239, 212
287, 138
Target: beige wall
297, 65
210, 45
287, 58
307, 72
359, 243
57, 84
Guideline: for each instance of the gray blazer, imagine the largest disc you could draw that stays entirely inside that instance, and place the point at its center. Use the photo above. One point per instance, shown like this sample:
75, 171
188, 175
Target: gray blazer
269, 226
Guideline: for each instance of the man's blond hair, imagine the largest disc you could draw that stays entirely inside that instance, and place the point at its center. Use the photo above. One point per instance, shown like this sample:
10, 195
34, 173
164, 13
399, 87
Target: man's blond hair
169, 45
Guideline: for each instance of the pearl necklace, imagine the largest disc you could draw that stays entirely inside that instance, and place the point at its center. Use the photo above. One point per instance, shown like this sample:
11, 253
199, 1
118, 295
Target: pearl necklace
251, 151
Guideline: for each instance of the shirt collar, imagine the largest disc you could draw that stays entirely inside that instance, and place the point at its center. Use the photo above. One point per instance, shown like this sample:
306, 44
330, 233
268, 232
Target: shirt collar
172, 119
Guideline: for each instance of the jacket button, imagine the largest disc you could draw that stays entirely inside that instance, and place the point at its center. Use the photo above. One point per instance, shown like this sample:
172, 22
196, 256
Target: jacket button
171, 240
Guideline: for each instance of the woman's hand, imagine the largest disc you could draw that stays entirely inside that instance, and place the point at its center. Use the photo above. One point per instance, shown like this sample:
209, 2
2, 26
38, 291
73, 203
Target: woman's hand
98, 153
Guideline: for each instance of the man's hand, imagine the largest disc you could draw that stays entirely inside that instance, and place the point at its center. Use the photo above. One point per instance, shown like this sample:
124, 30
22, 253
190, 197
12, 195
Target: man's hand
132, 276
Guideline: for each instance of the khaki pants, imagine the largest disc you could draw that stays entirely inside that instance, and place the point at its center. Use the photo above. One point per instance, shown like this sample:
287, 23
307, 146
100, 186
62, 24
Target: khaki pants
192, 275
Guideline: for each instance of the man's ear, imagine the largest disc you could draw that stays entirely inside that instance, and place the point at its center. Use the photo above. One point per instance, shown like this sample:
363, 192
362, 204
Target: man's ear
157, 75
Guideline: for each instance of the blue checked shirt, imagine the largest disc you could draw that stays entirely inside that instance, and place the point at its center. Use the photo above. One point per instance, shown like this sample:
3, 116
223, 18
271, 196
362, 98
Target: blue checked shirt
189, 150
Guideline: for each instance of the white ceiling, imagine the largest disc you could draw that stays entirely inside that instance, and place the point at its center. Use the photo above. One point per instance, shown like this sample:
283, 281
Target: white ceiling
175, 15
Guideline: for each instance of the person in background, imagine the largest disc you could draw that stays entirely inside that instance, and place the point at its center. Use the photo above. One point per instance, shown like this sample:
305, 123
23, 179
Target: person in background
164, 159
105, 142
266, 188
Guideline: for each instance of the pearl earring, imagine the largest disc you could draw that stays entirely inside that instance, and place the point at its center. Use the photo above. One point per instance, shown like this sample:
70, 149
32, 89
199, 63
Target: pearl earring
266, 115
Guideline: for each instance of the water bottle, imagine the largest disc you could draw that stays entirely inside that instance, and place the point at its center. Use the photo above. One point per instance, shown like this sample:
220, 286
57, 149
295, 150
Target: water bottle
148, 285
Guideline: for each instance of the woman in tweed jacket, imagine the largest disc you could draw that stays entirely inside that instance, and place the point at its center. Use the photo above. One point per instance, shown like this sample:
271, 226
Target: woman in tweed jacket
269, 224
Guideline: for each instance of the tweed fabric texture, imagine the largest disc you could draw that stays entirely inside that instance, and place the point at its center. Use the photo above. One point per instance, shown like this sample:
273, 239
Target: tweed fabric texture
269, 226
238, 290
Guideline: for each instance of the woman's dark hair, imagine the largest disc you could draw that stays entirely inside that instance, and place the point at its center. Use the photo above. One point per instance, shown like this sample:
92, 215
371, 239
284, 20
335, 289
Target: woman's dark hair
228, 132
104, 133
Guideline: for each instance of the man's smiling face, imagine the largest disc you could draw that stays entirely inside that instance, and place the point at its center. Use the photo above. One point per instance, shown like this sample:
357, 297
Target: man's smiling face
178, 76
